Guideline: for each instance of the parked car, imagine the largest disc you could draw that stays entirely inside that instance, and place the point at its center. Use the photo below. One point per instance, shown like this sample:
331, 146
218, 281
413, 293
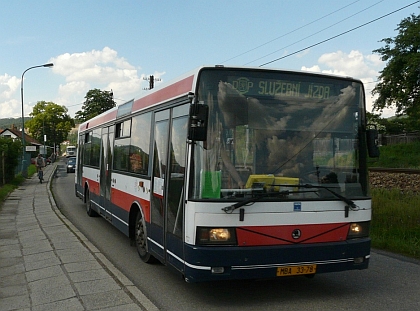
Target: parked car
71, 164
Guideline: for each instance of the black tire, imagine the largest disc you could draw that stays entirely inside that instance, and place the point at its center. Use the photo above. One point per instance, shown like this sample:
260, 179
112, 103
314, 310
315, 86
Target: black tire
89, 209
141, 240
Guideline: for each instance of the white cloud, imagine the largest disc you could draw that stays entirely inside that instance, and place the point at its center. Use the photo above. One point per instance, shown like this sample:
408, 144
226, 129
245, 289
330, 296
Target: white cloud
102, 69
314, 68
10, 108
76, 74
72, 93
8, 86
9, 105
353, 64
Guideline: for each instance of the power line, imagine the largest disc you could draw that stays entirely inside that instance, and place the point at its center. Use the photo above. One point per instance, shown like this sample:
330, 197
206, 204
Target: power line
341, 21
336, 36
75, 105
290, 32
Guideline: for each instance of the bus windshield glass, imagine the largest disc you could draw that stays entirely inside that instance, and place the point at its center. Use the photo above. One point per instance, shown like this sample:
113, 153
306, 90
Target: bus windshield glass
271, 130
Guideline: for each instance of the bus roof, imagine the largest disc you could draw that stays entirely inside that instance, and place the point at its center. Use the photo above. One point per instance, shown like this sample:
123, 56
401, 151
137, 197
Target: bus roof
176, 88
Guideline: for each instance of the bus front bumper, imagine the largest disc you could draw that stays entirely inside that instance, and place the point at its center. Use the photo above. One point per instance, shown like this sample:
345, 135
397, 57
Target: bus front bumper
232, 262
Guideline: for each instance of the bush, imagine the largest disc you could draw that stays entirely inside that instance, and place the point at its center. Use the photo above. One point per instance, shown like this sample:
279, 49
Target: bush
9, 155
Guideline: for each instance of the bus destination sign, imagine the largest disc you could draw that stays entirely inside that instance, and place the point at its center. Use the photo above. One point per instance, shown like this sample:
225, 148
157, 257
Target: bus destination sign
282, 88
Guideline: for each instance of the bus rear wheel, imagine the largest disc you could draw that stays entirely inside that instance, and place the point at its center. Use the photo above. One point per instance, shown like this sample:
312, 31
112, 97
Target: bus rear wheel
141, 240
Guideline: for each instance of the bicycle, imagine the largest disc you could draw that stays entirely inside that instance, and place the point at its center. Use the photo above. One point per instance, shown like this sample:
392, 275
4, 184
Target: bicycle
40, 174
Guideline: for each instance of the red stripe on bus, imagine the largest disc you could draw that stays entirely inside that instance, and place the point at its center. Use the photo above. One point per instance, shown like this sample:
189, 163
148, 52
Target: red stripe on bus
125, 200
93, 185
291, 234
181, 87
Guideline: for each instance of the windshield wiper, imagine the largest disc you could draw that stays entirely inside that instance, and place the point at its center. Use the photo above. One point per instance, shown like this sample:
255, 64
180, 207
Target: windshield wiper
231, 208
256, 197
350, 203
337, 195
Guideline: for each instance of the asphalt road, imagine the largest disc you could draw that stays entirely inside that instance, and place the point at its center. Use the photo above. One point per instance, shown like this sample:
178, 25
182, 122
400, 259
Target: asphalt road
390, 283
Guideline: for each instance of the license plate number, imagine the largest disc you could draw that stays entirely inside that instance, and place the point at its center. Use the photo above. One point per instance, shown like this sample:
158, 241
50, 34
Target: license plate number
296, 270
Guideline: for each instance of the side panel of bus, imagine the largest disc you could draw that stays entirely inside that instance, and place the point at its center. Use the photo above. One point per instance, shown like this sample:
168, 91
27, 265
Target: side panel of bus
113, 191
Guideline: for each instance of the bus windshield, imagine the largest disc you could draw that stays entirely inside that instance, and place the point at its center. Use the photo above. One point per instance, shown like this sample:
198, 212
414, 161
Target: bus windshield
269, 131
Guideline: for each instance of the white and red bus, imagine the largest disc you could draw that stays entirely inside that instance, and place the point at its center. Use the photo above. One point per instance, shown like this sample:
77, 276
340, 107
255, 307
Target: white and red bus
236, 173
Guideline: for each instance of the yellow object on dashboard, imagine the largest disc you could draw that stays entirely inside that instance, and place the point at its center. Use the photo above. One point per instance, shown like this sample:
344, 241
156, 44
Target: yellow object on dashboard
271, 182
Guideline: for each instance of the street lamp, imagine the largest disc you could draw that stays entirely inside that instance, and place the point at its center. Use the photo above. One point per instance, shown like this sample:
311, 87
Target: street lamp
24, 169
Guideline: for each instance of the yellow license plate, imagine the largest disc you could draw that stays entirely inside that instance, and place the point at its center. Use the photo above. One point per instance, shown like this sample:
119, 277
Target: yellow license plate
296, 270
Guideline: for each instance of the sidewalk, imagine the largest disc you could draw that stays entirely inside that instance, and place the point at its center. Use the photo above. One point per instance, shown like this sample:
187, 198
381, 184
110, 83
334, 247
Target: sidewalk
47, 264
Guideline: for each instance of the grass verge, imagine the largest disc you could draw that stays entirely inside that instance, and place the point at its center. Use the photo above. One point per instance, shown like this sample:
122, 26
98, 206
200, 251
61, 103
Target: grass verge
395, 225
6, 189
398, 156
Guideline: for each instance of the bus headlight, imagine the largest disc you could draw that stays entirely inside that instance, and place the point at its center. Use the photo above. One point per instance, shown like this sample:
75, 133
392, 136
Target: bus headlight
215, 236
358, 230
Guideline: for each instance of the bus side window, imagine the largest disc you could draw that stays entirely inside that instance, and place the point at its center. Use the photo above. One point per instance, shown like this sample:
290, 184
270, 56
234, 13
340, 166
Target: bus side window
140, 144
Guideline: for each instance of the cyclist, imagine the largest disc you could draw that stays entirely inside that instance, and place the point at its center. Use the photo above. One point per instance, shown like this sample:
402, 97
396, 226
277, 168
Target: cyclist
40, 163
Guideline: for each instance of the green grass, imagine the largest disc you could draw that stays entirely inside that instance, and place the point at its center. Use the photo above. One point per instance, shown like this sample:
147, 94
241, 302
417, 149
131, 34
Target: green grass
395, 225
6, 189
398, 156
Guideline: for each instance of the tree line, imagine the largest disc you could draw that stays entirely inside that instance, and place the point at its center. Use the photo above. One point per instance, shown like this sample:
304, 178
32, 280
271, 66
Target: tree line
399, 81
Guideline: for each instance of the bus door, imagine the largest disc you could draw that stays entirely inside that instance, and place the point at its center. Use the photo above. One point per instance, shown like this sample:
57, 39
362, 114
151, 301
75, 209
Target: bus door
168, 183
160, 157
79, 167
105, 171
175, 186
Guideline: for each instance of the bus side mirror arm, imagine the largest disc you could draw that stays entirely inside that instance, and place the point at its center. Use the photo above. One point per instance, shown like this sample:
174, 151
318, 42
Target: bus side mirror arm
372, 142
197, 123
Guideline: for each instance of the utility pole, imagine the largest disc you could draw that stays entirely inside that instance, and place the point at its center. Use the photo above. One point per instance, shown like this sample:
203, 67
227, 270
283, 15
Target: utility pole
151, 80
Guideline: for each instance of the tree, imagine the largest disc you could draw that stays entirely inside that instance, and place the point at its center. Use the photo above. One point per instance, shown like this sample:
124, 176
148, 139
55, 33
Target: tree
96, 102
394, 125
399, 84
51, 120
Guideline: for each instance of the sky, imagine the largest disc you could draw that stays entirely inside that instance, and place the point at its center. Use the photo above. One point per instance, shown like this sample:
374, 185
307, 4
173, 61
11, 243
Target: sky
115, 45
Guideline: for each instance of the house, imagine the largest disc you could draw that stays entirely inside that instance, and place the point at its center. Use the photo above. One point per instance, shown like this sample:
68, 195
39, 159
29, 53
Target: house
14, 133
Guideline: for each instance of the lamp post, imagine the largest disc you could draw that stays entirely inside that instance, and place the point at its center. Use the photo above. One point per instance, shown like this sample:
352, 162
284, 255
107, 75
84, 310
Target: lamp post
24, 169
43, 134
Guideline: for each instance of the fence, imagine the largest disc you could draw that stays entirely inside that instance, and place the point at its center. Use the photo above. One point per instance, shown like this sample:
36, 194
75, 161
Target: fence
6, 171
400, 139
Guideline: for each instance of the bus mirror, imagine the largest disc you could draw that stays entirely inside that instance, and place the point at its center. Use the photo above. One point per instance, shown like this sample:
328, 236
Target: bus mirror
197, 125
372, 142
